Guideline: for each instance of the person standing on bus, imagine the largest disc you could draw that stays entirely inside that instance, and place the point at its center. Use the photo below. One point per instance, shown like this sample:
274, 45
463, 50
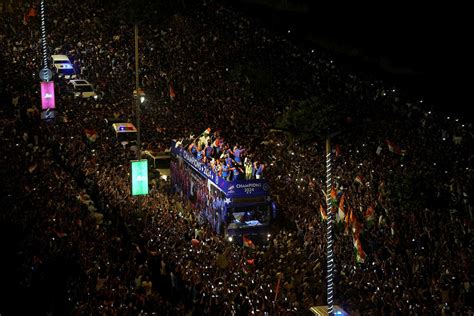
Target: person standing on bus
216, 145
237, 154
200, 154
225, 171
230, 164
229, 161
254, 169
209, 151
219, 167
192, 148
237, 170
248, 168
259, 172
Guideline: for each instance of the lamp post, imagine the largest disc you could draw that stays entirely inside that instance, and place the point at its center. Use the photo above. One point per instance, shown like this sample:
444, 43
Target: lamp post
137, 98
329, 237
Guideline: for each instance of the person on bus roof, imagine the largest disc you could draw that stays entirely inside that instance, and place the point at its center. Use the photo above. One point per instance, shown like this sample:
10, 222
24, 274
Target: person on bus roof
237, 171
259, 172
225, 171
229, 161
237, 154
199, 154
248, 168
209, 150
219, 168
193, 149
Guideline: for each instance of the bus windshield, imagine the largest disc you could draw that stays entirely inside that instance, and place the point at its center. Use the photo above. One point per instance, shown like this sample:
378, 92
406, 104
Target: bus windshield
248, 216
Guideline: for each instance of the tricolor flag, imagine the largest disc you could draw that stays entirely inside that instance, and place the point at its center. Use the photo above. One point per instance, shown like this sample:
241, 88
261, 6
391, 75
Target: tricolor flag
340, 212
359, 179
347, 221
359, 252
172, 93
338, 150
32, 167
370, 214
91, 134
333, 199
394, 148
248, 243
31, 13
323, 212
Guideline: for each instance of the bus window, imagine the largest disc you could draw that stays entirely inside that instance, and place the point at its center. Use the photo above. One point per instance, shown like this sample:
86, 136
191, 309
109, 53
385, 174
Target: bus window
255, 215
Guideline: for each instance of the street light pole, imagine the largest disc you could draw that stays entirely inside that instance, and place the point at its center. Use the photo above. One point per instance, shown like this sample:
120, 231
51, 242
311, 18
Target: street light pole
137, 103
137, 97
329, 235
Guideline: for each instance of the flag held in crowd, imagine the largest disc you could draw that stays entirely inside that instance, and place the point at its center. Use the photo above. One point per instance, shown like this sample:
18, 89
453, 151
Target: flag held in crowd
172, 93
333, 199
370, 214
31, 13
359, 179
195, 242
394, 148
340, 212
323, 212
248, 243
91, 134
337, 150
359, 252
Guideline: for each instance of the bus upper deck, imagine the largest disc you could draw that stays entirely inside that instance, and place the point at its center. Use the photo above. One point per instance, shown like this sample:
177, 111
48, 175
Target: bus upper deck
232, 208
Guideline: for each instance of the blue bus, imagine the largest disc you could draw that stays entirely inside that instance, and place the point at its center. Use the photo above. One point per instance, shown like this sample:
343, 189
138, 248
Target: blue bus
231, 208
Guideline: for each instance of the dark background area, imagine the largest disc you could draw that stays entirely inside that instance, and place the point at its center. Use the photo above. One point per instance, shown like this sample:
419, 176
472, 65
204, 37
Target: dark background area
420, 47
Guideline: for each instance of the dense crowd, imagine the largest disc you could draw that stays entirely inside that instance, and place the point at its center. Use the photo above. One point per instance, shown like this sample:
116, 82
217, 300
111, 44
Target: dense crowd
121, 255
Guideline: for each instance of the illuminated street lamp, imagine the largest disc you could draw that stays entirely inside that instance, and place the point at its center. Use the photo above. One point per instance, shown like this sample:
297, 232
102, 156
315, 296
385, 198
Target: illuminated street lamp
140, 94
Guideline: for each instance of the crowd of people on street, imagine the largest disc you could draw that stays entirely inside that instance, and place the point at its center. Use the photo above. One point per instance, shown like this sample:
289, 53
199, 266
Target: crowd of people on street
402, 173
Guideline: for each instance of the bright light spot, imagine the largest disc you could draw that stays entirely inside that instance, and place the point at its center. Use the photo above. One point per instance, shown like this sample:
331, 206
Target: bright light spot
95, 97
164, 177
142, 99
448, 117
289, 31
230, 238
312, 50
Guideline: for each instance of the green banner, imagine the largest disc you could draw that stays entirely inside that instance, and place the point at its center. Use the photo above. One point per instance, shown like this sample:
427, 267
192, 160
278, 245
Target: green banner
140, 177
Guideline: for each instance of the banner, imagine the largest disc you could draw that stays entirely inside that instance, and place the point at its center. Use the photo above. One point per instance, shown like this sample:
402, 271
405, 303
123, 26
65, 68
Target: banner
140, 177
47, 95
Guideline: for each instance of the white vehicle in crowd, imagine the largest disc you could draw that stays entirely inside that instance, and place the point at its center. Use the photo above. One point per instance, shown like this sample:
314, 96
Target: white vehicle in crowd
82, 89
63, 67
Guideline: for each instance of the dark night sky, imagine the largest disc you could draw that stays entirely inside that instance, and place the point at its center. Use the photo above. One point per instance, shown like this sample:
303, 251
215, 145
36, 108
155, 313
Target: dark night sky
421, 46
